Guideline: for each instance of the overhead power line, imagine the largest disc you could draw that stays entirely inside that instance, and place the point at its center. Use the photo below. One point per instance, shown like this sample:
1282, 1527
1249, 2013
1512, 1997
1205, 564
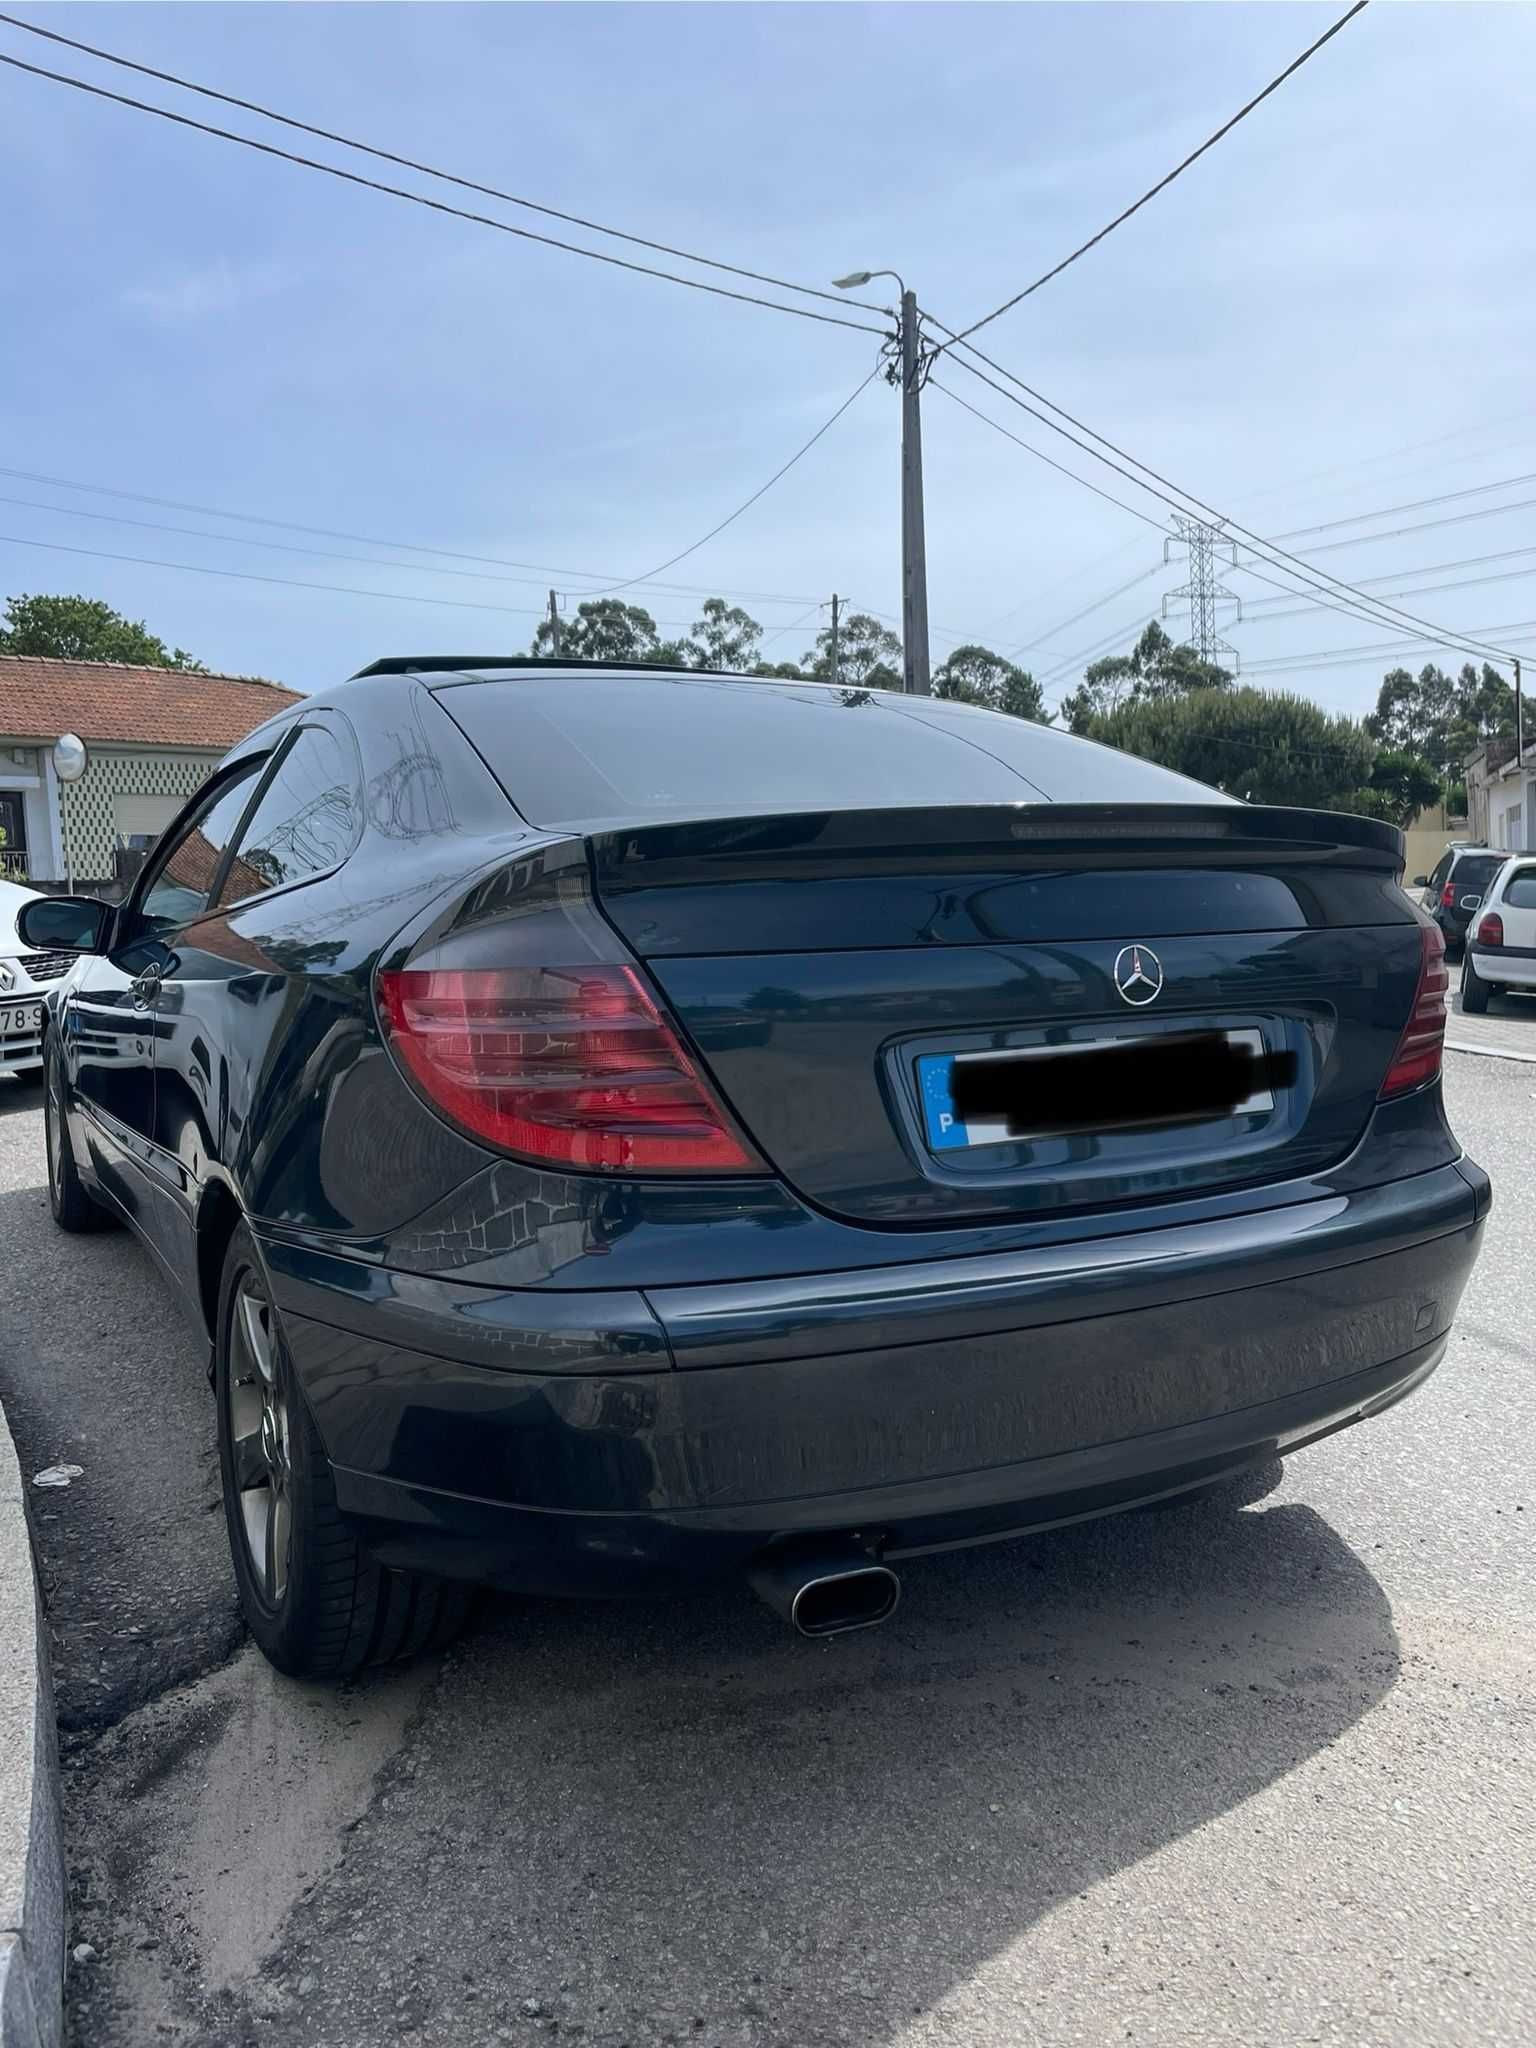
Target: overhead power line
1505, 483
1028, 646
483, 220
406, 163
1344, 657
1163, 183
458, 604
1049, 460
1071, 664
1375, 610
761, 491
544, 569
779, 631
246, 540
1264, 608
1471, 431
1359, 540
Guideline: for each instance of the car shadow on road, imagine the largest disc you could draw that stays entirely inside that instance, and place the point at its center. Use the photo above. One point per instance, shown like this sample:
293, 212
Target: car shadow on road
100, 1370
20, 1092
686, 1824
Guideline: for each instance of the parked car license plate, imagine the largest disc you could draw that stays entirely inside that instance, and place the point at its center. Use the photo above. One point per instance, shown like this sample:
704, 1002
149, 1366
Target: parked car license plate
1039, 1091
29, 1019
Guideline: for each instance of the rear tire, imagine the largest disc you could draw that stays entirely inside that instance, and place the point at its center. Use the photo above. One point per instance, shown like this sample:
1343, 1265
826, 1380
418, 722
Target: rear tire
1474, 990
74, 1208
316, 1603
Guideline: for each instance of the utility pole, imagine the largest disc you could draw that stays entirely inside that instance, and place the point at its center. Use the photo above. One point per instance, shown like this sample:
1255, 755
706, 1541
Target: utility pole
554, 621
914, 553
837, 674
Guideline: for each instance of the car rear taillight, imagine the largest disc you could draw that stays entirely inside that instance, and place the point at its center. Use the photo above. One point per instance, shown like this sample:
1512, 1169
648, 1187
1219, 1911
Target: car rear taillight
1422, 1044
1490, 931
571, 1066
1448, 897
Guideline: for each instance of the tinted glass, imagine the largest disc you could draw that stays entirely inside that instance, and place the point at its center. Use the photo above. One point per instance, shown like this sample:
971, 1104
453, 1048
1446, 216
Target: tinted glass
1474, 871
1520, 889
305, 821
179, 889
580, 749
1442, 869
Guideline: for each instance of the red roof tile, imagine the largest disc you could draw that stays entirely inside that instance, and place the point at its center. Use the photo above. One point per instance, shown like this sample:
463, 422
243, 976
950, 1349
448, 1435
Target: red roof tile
117, 701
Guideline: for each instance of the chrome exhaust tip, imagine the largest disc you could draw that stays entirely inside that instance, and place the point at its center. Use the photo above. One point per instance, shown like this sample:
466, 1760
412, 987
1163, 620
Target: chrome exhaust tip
827, 1594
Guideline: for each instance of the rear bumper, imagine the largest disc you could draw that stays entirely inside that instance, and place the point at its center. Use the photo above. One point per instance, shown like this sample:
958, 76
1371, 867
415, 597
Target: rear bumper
1508, 966
608, 1442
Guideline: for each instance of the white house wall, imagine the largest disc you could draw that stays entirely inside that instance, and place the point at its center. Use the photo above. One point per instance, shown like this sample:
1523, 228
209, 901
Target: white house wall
89, 828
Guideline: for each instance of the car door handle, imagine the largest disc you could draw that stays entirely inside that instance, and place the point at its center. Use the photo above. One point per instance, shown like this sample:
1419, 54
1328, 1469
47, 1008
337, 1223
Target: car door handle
145, 987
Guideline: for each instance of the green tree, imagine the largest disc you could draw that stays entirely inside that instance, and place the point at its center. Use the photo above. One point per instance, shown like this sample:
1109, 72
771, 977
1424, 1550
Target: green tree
789, 671
1400, 786
85, 629
1414, 714
1484, 709
1266, 747
975, 675
723, 637
1441, 721
1156, 667
868, 656
601, 629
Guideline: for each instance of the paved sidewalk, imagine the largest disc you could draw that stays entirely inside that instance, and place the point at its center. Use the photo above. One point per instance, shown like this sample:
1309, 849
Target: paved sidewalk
1507, 1030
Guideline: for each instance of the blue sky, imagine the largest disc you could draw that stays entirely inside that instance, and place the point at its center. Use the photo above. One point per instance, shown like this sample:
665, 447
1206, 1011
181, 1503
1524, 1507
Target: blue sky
1331, 314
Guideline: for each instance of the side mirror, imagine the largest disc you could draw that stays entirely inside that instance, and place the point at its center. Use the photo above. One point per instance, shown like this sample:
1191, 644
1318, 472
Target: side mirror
1419, 882
72, 924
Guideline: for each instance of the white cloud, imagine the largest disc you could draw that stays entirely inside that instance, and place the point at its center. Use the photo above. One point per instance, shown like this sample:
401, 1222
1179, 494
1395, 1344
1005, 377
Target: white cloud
207, 292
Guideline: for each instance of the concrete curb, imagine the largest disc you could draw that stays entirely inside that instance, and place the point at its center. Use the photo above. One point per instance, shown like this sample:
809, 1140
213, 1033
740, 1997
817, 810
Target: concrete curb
31, 1836
1489, 1052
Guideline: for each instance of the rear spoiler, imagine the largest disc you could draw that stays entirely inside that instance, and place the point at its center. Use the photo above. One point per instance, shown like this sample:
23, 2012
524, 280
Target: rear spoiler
959, 839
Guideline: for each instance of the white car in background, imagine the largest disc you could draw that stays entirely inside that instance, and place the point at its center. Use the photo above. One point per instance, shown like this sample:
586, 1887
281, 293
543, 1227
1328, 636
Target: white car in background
1501, 937
23, 979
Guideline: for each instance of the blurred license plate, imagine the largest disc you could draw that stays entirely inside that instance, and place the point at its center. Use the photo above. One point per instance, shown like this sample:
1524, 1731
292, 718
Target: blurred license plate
28, 1018
1111, 1084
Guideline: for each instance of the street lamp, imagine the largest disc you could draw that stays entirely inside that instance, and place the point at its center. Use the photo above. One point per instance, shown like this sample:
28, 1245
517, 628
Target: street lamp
914, 557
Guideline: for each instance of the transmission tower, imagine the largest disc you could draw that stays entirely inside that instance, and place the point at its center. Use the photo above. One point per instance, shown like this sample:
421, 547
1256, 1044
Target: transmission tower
1203, 545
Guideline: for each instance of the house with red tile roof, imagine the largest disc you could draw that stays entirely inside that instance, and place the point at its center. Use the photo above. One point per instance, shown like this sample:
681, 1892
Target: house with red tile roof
151, 736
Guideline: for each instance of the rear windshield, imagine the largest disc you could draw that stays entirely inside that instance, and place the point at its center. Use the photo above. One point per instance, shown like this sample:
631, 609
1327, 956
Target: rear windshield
1474, 871
1520, 889
581, 750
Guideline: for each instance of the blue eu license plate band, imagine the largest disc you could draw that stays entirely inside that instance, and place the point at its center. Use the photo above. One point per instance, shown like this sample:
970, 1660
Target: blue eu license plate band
947, 1132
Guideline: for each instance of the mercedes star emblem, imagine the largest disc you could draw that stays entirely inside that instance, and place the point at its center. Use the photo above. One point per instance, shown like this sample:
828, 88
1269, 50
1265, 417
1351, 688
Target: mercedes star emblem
1138, 975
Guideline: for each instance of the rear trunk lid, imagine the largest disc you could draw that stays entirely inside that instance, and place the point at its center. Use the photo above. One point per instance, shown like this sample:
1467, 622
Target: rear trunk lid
830, 966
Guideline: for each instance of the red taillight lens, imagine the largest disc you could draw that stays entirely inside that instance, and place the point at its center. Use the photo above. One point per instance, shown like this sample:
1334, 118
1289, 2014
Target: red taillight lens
1422, 1044
567, 1066
1490, 932
1448, 896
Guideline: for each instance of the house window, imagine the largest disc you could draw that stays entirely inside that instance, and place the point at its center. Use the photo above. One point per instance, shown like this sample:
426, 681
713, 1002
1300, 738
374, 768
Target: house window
138, 821
13, 836
1513, 833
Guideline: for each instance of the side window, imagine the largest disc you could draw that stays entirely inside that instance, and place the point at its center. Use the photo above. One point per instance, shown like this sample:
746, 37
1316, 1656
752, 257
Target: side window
1442, 869
305, 821
182, 874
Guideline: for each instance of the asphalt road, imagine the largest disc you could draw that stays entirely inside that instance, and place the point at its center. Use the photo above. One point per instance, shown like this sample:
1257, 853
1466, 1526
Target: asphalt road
1263, 1775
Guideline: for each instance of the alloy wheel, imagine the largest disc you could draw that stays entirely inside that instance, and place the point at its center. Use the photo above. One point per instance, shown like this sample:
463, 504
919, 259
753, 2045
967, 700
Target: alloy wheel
260, 1440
